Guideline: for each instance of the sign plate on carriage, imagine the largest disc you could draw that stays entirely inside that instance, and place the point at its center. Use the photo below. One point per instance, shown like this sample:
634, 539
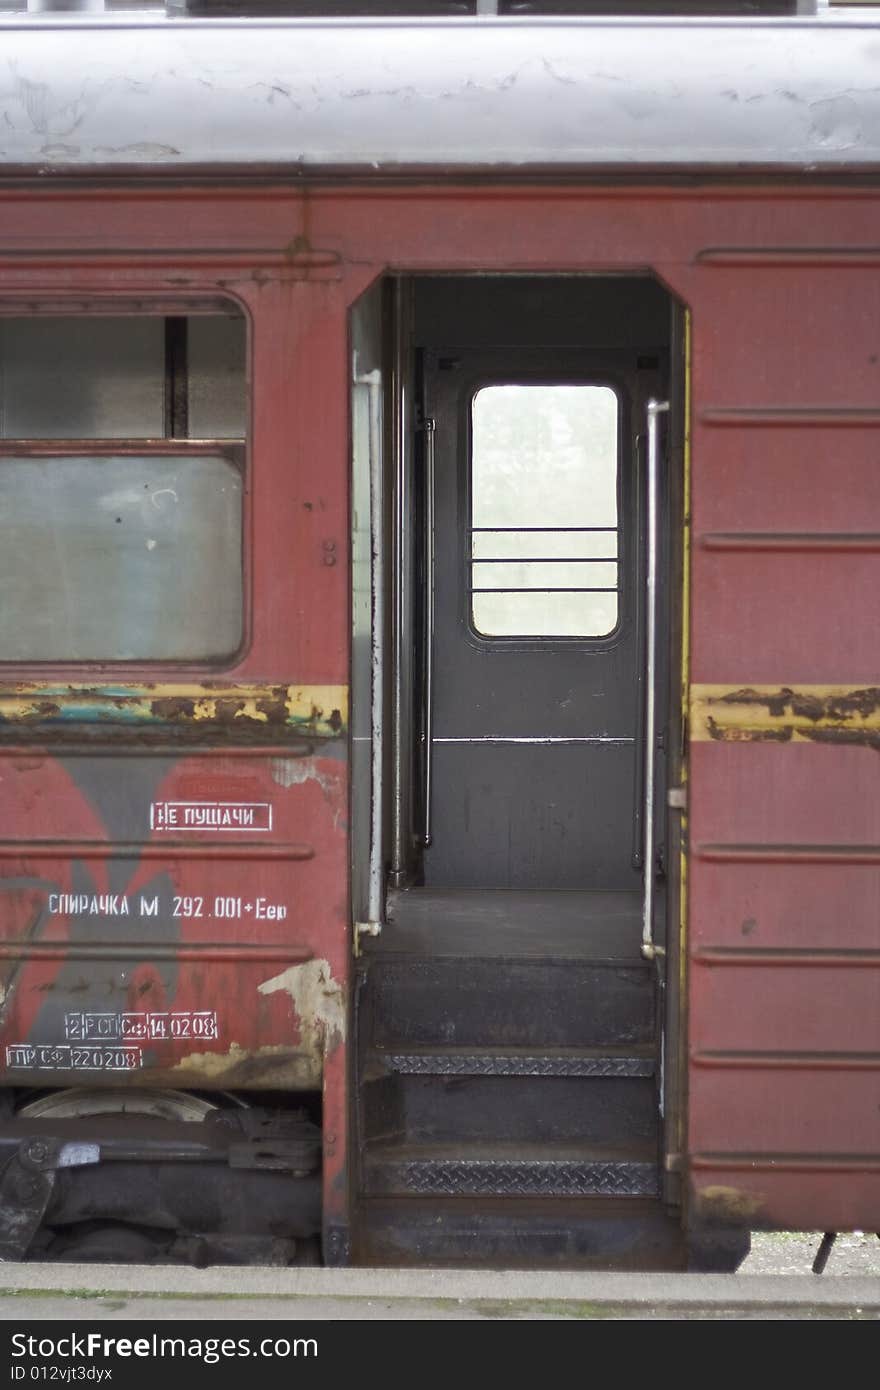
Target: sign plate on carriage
211, 815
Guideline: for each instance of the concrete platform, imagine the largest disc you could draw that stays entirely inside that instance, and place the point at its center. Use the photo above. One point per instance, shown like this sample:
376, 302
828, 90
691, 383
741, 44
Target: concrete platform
34, 1292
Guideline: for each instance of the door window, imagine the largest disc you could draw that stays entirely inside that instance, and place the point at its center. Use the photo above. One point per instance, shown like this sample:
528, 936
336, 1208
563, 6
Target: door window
544, 558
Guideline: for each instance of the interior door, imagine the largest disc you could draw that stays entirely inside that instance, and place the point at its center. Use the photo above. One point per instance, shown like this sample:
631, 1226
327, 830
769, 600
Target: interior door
536, 628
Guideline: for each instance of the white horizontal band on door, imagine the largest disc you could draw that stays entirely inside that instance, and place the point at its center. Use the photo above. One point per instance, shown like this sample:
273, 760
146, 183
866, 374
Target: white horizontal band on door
492, 738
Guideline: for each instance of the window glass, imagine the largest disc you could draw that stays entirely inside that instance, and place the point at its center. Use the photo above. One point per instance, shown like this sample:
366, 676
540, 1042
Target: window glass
81, 378
110, 558
122, 534
544, 524
115, 377
217, 383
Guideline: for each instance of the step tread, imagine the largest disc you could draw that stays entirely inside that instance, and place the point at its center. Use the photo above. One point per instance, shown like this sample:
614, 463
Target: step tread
606, 1232
515, 1151
529, 923
632, 1060
512, 1169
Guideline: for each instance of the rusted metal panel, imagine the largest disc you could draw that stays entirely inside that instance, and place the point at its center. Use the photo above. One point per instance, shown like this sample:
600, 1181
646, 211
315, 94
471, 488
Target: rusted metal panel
784, 1022
789, 1113
832, 1010
776, 1193
160, 919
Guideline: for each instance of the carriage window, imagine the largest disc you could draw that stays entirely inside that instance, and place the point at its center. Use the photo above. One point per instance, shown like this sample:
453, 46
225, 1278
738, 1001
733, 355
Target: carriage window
121, 487
544, 523
115, 377
120, 558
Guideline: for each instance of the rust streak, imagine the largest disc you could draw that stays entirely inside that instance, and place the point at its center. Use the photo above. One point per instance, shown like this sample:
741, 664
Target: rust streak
788, 854
231, 952
795, 417
791, 957
728, 1204
233, 850
790, 1061
791, 1163
785, 542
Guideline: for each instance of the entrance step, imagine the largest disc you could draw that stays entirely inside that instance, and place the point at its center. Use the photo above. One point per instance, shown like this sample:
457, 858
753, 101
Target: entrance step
519, 1232
511, 1170
508, 1082
548, 1097
510, 971
512, 922
449, 1003
523, 1061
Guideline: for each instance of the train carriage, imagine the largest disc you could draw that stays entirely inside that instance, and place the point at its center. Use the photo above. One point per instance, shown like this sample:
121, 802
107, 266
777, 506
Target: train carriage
439, 699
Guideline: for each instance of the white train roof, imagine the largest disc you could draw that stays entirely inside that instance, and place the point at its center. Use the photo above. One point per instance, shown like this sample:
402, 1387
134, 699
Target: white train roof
493, 96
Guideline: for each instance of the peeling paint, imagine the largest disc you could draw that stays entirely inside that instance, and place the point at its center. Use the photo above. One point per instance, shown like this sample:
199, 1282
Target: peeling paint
319, 1002
836, 123
315, 711
844, 715
140, 150
276, 1066
295, 772
728, 1204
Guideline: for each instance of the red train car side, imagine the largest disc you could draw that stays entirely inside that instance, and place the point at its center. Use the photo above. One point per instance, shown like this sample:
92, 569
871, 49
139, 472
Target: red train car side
440, 697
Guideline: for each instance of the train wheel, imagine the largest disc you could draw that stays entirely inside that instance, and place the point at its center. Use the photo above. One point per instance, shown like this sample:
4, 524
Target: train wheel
158, 1176
82, 1102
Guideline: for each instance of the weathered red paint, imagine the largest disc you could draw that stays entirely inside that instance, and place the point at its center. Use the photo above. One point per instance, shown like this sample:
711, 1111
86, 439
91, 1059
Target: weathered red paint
788, 1143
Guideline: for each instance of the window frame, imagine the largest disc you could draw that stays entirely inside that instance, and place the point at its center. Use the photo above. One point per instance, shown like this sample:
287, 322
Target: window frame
235, 451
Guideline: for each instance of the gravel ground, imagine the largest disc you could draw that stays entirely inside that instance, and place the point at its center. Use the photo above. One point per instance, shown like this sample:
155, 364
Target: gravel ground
853, 1253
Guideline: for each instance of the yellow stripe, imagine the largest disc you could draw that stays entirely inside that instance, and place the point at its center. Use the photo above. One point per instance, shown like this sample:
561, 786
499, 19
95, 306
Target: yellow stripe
321, 710
784, 714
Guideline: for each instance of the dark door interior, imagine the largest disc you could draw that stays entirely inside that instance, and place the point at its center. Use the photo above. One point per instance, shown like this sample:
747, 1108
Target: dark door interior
536, 408
509, 1022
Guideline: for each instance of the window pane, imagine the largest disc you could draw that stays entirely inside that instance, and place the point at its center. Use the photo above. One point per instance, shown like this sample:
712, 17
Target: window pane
545, 615
217, 392
544, 501
120, 558
559, 576
94, 377
82, 378
563, 545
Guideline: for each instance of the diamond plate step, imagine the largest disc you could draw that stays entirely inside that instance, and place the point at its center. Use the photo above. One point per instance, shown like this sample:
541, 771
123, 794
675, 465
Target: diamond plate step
394, 1170
514, 1062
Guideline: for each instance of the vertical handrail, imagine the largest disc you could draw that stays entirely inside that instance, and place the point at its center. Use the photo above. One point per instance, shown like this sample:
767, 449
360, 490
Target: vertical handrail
654, 409
375, 873
429, 624
401, 832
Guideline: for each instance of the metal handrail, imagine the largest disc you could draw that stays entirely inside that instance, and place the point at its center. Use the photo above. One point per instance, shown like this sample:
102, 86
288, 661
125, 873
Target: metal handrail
654, 408
429, 428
